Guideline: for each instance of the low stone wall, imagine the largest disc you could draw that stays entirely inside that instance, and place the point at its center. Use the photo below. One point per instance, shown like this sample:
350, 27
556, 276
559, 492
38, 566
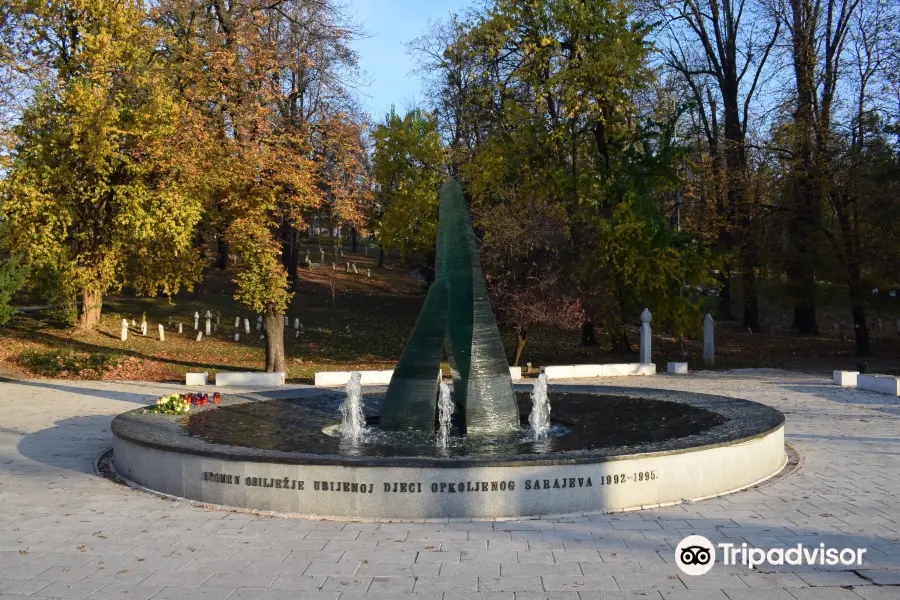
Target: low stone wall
156, 452
610, 370
250, 378
629, 482
883, 384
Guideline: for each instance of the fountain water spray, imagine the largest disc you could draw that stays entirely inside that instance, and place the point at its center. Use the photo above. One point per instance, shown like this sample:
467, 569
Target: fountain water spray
353, 421
540, 408
445, 411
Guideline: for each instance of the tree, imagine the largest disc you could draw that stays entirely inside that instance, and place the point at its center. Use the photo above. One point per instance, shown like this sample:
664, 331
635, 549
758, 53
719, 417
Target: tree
409, 167
12, 277
98, 188
544, 106
722, 60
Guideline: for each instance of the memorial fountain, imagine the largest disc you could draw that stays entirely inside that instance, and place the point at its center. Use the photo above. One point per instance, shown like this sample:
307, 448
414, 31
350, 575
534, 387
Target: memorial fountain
420, 449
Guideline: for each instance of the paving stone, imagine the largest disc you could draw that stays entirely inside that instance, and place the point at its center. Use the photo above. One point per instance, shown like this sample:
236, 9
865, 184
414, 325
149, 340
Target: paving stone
882, 577
579, 584
23, 587
823, 593
695, 594
298, 582
759, 594
382, 584
282, 595
510, 584
62, 589
831, 578
117, 591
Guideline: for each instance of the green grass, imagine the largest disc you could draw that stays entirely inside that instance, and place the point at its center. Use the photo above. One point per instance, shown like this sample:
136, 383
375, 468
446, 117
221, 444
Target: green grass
65, 361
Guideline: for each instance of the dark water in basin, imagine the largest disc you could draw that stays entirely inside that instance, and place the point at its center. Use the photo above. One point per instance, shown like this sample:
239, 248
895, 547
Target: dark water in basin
580, 422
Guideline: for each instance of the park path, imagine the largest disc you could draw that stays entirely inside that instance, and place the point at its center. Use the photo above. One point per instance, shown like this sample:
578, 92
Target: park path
67, 533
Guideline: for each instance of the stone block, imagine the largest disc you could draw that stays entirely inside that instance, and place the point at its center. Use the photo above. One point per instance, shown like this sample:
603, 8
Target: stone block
515, 373
845, 378
610, 370
883, 384
196, 378
250, 378
339, 378
677, 368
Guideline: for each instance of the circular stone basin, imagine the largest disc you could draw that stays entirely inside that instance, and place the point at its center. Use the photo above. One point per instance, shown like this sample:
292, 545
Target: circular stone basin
610, 448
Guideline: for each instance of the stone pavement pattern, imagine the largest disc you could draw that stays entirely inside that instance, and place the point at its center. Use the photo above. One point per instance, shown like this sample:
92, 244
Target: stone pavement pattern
67, 533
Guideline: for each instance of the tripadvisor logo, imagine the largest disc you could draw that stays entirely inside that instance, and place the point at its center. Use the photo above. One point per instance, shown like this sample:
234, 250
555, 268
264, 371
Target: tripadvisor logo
696, 555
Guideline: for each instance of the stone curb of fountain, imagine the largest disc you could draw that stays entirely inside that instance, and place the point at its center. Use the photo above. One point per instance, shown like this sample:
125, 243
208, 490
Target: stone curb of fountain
104, 467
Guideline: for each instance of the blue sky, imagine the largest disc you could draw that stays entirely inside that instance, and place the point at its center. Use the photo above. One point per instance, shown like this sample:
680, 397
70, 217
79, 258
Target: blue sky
390, 24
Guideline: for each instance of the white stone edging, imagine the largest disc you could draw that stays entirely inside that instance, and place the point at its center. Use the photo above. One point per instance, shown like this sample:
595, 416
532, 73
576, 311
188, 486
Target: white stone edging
252, 378
608, 370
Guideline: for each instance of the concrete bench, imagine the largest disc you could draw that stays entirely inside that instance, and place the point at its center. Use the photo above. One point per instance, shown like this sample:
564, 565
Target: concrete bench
338, 378
677, 368
610, 370
196, 378
845, 378
883, 384
249, 378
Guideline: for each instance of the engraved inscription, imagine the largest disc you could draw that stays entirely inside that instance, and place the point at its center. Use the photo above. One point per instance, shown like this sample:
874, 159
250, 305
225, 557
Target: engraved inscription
442, 487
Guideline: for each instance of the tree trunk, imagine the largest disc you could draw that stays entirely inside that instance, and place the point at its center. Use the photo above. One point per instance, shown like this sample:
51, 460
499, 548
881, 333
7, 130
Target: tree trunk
91, 305
221, 253
805, 317
380, 256
861, 331
588, 333
751, 302
273, 322
521, 340
857, 304
353, 239
724, 278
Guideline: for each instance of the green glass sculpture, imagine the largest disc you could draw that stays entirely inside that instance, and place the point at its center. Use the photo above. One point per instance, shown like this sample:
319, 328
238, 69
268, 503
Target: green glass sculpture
456, 314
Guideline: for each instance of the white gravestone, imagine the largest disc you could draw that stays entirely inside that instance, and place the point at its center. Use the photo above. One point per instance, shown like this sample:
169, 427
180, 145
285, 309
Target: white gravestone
162, 333
208, 325
645, 337
179, 328
354, 269
287, 321
124, 334
237, 337
196, 320
143, 327
133, 323
199, 335
347, 268
321, 256
247, 326
709, 343
237, 322
369, 273
297, 323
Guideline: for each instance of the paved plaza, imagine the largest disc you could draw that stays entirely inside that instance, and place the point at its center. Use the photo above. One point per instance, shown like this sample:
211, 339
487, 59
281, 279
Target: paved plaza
67, 533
